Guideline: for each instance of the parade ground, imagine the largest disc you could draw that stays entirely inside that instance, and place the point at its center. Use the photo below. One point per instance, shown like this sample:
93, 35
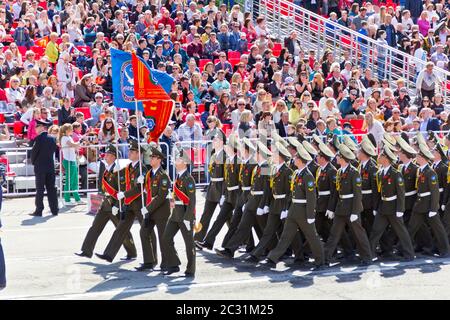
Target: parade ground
41, 264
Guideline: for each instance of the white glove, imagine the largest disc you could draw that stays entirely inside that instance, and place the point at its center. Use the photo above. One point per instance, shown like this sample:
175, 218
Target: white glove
187, 224
115, 210
144, 210
283, 214
353, 217
443, 207
120, 195
266, 209
374, 212
399, 214
222, 200
329, 214
260, 212
310, 221
432, 214
140, 179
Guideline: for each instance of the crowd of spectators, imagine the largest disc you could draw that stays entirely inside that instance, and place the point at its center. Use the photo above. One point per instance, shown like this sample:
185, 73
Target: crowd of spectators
231, 73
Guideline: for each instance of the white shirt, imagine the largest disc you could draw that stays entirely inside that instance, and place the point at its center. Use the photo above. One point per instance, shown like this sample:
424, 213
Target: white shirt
423, 167
69, 153
364, 163
155, 171
385, 170
179, 174
343, 169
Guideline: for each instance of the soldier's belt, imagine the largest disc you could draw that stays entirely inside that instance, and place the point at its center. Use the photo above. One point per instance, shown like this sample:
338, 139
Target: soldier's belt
389, 198
298, 200
369, 191
410, 193
246, 188
232, 188
279, 196
425, 194
256, 193
324, 193
216, 179
441, 189
179, 203
346, 196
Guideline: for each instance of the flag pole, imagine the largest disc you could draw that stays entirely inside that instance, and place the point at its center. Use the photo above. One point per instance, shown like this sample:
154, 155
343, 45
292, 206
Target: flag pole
139, 150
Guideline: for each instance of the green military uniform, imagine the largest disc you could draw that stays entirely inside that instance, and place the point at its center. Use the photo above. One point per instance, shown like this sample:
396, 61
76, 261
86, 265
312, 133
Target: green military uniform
446, 204
409, 174
157, 207
232, 193
132, 204
348, 185
181, 219
326, 198
245, 176
109, 190
390, 210
301, 215
368, 172
280, 184
426, 204
441, 169
214, 192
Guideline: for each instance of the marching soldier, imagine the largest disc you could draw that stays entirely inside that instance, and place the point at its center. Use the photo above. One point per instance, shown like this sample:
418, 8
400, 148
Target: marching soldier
368, 171
155, 211
293, 143
390, 210
312, 165
326, 189
257, 203
109, 209
245, 175
301, 214
182, 218
216, 188
440, 166
348, 208
280, 184
353, 147
427, 204
132, 199
232, 193
446, 206
333, 144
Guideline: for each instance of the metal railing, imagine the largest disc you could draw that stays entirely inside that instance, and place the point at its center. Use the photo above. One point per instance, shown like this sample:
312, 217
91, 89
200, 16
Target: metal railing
320, 34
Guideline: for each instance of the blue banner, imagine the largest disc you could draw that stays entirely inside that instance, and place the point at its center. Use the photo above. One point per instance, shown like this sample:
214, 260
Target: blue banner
123, 80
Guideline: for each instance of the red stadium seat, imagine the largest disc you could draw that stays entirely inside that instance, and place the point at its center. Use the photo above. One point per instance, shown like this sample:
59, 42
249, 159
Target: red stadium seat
5, 161
87, 49
201, 108
357, 123
199, 157
202, 63
2, 118
18, 128
39, 51
234, 54
85, 110
226, 127
276, 50
234, 61
22, 50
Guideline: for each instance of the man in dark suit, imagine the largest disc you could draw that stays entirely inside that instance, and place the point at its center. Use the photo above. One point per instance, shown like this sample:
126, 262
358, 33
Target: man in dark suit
281, 125
44, 169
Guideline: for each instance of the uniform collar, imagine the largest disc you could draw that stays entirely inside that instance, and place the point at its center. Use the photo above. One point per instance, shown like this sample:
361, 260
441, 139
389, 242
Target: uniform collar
436, 163
109, 167
364, 163
422, 168
299, 171
134, 163
406, 165
181, 173
280, 166
343, 169
324, 167
386, 169
262, 163
155, 171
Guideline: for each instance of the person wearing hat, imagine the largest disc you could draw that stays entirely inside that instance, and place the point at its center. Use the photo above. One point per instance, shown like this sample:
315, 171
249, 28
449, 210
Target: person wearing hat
349, 207
44, 149
350, 143
182, 217
109, 209
391, 204
333, 144
245, 176
293, 143
257, 204
231, 193
368, 171
131, 180
215, 192
326, 190
280, 185
440, 166
312, 165
301, 214
425, 209
156, 211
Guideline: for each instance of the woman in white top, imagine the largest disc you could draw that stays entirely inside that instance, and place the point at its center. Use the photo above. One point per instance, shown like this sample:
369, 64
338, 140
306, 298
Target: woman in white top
69, 151
44, 24
373, 126
65, 74
327, 93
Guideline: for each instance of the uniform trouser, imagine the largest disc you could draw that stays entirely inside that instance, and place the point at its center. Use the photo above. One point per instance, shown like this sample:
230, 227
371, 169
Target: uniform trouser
122, 230
226, 212
423, 237
380, 224
419, 218
338, 227
208, 212
293, 222
323, 225
249, 220
367, 220
269, 238
2, 267
101, 219
46, 180
149, 243
71, 183
171, 230
232, 228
